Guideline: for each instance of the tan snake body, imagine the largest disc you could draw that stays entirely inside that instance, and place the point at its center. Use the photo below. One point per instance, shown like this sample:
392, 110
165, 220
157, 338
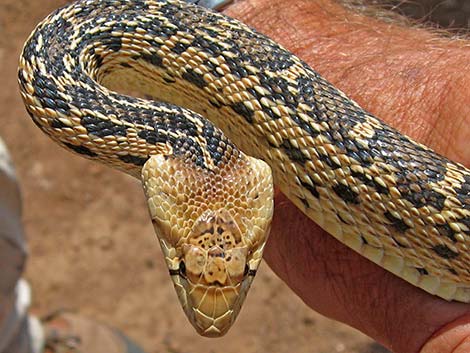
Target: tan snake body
394, 201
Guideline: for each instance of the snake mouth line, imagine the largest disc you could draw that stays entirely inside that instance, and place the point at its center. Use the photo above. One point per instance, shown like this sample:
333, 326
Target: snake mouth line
177, 273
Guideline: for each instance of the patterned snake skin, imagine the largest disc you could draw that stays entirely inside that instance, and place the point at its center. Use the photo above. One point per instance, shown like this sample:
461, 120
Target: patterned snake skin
392, 200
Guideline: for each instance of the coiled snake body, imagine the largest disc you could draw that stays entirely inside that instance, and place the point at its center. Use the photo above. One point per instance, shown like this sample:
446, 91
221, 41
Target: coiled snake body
393, 200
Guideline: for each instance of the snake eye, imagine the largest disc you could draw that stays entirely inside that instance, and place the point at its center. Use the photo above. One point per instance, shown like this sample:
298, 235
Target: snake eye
182, 269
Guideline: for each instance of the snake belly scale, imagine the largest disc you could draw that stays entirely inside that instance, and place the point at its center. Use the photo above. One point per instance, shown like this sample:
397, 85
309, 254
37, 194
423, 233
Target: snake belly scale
392, 200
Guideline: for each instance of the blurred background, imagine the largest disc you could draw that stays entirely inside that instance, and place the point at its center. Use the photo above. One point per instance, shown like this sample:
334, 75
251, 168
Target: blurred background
449, 14
92, 245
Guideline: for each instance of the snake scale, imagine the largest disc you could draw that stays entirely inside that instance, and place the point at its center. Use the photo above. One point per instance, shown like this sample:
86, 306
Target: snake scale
198, 73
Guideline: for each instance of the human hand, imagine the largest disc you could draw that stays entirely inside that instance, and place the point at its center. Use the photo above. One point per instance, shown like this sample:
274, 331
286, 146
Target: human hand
416, 82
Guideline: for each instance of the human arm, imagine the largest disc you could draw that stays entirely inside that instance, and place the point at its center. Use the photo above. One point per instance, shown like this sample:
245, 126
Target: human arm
418, 83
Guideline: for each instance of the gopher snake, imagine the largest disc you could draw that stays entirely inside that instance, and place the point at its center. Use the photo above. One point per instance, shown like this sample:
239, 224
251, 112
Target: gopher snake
394, 201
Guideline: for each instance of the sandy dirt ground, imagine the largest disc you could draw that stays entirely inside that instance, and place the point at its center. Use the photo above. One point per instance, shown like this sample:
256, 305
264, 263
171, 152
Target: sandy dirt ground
93, 249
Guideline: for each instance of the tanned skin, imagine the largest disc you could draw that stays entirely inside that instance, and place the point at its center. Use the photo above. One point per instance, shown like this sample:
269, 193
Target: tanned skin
416, 81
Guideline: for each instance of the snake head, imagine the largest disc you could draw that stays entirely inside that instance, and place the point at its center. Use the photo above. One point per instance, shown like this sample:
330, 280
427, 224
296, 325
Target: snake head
212, 228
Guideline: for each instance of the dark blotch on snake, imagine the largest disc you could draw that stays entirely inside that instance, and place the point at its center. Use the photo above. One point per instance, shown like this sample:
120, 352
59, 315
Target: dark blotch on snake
195, 78
216, 143
96, 58
463, 193
346, 193
466, 221
153, 59
426, 198
81, 150
113, 43
102, 128
133, 159
57, 124
241, 109
329, 161
397, 223
293, 152
108, 40
152, 136
446, 230
46, 92
311, 188
180, 48
445, 252
370, 182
